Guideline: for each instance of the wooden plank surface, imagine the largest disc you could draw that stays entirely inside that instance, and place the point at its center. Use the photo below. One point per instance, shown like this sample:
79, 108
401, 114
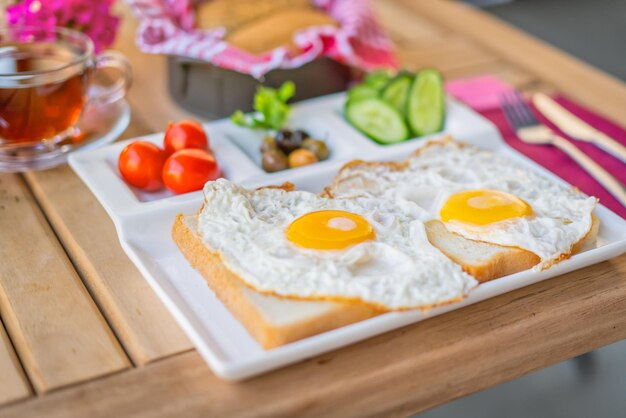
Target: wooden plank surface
13, 382
581, 81
423, 42
139, 319
143, 325
445, 54
56, 328
395, 374
145, 328
406, 28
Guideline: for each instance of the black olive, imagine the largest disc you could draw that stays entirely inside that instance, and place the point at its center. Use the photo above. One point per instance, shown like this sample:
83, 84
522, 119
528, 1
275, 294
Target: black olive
303, 134
288, 140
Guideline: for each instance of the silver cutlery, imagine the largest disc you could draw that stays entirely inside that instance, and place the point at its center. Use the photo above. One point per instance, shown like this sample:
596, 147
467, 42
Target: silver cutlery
576, 128
531, 131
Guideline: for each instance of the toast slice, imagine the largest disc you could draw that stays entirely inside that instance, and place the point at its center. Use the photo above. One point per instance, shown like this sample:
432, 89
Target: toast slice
487, 261
275, 321
484, 261
278, 29
234, 14
271, 320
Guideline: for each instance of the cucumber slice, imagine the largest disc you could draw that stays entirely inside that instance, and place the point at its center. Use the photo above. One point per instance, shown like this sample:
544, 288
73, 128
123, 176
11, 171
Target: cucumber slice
377, 79
378, 120
361, 92
396, 92
426, 106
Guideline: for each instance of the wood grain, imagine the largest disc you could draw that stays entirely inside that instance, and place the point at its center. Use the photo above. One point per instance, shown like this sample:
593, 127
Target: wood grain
601, 92
13, 382
145, 328
445, 54
407, 28
56, 328
505, 71
395, 374
421, 42
143, 325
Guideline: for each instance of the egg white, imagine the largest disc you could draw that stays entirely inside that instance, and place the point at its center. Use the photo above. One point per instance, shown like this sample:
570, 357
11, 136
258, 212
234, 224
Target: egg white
399, 269
562, 215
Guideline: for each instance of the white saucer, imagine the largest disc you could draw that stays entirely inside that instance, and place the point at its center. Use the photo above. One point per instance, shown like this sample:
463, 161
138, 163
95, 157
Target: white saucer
99, 123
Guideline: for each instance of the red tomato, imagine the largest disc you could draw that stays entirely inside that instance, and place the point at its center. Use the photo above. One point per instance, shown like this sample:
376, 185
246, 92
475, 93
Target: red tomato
141, 164
187, 170
184, 134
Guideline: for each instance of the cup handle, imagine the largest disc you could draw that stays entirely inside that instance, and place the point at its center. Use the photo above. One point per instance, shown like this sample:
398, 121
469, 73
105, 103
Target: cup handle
118, 89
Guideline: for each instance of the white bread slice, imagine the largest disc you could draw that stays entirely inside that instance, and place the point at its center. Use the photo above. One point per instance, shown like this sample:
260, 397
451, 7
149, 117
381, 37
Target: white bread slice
271, 320
274, 321
487, 261
482, 260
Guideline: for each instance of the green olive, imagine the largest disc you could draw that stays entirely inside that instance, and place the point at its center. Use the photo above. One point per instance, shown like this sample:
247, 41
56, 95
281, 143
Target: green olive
301, 157
317, 147
268, 144
274, 160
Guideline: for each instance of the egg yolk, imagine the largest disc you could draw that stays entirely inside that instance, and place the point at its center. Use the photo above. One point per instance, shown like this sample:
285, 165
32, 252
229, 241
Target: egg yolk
482, 207
329, 230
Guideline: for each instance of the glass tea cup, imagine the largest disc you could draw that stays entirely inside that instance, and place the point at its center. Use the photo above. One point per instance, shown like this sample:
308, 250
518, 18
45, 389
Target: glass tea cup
47, 78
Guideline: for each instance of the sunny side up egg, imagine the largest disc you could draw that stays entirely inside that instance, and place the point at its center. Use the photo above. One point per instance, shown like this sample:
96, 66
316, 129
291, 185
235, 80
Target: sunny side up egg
300, 245
479, 195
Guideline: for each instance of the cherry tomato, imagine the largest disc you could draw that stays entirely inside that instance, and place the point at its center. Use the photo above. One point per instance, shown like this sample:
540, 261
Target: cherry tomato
184, 134
187, 170
141, 164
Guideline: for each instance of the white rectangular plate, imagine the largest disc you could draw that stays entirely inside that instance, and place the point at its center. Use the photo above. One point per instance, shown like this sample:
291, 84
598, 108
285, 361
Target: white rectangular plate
144, 222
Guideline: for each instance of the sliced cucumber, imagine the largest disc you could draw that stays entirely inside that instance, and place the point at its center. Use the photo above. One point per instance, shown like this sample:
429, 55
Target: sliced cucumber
426, 106
377, 119
377, 79
396, 91
361, 92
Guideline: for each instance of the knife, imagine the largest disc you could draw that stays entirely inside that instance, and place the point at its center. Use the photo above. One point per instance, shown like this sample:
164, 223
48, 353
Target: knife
575, 127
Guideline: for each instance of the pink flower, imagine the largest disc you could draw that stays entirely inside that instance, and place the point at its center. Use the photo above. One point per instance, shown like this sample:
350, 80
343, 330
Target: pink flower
92, 17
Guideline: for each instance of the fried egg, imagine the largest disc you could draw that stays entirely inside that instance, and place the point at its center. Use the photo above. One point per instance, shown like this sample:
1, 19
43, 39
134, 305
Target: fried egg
480, 196
301, 245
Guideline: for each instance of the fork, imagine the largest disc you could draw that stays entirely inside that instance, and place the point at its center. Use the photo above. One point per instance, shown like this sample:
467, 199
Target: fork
531, 131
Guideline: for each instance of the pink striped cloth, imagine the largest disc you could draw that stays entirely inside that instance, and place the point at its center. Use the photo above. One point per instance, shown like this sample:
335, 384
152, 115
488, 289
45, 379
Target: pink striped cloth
167, 27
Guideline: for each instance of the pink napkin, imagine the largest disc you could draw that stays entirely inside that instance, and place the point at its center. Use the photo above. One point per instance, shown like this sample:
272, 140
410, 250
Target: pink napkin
482, 94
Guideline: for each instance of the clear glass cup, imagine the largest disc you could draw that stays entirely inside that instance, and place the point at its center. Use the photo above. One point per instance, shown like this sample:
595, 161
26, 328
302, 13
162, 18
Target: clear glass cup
47, 78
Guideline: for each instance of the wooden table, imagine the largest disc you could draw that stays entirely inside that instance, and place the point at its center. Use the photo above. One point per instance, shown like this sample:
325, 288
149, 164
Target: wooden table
82, 334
